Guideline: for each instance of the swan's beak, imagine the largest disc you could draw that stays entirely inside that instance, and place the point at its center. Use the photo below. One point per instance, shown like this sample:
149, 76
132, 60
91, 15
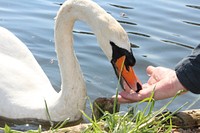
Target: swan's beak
128, 79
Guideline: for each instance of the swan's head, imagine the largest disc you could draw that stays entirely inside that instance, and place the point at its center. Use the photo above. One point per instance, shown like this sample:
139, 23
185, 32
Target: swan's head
123, 62
115, 44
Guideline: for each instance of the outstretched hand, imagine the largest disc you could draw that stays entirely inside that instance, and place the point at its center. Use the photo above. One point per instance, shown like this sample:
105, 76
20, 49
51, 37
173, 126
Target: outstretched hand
162, 80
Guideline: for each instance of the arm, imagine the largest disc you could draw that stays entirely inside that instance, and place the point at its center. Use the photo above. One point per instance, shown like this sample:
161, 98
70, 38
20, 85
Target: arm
188, 71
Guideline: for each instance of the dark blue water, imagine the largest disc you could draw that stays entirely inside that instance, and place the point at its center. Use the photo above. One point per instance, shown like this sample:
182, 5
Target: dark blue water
165, 31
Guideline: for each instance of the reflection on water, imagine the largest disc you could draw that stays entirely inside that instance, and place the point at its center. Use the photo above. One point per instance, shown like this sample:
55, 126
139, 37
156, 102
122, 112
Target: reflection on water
164, 31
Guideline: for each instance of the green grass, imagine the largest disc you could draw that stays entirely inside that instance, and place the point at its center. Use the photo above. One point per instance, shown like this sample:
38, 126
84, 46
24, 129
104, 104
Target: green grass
135, 120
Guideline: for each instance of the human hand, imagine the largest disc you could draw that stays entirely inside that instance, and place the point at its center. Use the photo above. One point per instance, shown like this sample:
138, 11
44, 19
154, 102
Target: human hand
162, 80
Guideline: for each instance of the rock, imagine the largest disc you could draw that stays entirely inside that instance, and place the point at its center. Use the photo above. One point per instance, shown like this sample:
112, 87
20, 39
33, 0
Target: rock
100, 105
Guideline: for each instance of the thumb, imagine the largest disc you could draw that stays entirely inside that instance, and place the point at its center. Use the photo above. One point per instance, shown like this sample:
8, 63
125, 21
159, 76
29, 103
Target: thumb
150, 70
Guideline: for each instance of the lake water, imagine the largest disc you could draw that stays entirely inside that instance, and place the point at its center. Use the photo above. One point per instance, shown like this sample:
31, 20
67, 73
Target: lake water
165, 31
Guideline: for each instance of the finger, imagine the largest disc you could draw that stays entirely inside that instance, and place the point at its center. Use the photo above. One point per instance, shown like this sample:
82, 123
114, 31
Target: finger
132, 97
150, 70
121, 99
152, 80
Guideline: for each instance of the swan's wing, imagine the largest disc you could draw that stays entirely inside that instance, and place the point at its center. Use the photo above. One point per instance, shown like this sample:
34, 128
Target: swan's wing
19, 71
11, 46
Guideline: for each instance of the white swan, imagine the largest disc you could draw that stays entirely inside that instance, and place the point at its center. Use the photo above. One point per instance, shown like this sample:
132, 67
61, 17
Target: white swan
23, 84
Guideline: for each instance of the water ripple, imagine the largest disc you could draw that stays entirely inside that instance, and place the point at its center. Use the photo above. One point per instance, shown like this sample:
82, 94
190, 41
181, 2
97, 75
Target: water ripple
83, 32
177, 43
120, 6
194, 6
126, 22
192, 23
134, 45
91, 33
139, 34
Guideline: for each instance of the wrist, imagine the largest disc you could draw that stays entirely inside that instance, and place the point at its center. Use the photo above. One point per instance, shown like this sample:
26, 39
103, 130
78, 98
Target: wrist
179, 85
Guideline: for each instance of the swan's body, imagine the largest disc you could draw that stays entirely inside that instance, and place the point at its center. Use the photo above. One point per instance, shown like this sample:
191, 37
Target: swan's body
24, 86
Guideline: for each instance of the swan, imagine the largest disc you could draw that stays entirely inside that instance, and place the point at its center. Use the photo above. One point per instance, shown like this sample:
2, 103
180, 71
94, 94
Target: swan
23, 84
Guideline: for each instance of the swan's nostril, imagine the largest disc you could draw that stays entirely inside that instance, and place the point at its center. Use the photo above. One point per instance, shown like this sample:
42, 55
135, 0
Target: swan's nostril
139, 87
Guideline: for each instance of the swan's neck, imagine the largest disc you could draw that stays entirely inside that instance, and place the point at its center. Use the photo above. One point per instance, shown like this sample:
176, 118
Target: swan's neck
66, 17
73, 88
69, 67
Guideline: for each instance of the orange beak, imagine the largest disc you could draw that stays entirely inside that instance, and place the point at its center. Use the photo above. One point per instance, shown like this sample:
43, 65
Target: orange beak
127, 76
